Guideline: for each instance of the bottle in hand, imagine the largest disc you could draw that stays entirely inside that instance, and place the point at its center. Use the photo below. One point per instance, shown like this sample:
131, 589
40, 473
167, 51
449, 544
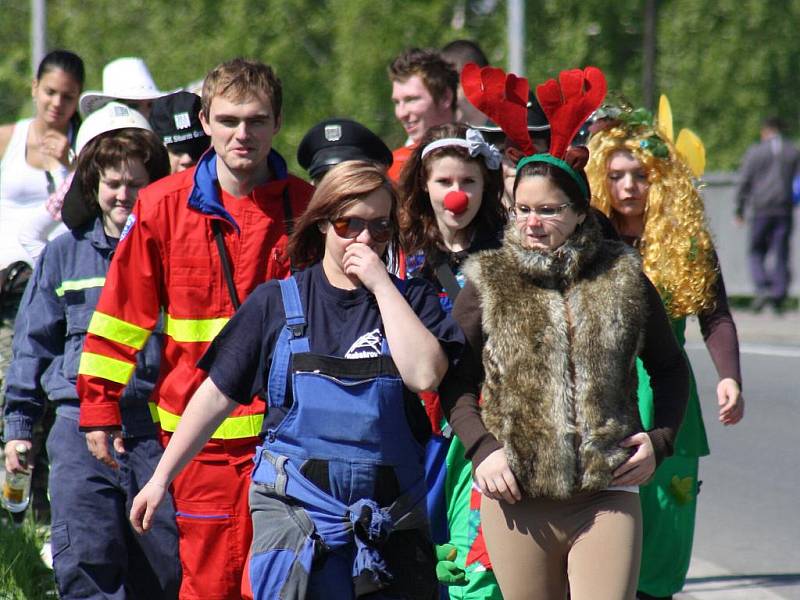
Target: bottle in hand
17, 486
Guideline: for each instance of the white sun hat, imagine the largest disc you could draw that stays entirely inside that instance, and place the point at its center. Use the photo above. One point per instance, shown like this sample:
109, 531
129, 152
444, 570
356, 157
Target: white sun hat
110, 117
125, 78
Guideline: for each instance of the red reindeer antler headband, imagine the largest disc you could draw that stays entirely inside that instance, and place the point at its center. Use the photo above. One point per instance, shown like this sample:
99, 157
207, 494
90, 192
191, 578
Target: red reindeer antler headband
503, 98
567, 103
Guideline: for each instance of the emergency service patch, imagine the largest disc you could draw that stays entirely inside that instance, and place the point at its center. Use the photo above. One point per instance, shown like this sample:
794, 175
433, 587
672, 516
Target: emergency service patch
128, 226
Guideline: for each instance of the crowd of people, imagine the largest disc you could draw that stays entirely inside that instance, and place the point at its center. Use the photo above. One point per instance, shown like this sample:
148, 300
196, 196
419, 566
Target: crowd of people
452, 370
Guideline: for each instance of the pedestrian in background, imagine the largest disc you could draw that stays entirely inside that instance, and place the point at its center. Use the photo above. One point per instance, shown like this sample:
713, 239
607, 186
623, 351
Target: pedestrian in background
175, 118
766, 175
424, 93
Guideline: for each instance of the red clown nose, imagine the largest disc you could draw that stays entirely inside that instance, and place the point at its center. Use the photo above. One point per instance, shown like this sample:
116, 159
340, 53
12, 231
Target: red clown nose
456, 202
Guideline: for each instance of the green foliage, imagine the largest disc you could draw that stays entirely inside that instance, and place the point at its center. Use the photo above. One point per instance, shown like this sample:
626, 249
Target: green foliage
725, 64
23, 575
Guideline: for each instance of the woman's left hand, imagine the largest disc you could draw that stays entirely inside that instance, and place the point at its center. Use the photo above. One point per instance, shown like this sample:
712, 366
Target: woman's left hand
56, 145
731, 403
640, 466
361, 261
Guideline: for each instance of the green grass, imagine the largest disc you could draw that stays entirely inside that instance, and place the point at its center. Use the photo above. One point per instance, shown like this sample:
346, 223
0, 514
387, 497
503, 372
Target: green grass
23, 575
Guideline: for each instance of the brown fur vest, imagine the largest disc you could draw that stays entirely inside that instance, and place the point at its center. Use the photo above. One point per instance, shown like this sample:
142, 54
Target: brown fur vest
562, 330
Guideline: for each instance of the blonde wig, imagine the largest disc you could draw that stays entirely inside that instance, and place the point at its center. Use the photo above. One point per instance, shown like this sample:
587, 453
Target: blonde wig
676, 246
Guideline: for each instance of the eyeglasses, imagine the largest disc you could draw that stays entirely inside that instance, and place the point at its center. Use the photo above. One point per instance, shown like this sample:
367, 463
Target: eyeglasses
380, 230
548, 211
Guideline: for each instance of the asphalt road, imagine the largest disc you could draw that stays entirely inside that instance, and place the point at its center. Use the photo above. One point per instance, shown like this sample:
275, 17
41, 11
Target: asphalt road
747, 540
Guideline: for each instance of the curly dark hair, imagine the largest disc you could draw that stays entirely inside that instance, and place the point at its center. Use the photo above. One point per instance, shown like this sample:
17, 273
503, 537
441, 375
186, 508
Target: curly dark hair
419, 230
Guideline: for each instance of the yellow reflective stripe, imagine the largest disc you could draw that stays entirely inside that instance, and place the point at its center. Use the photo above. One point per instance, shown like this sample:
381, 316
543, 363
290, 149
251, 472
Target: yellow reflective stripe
153, 411
193, 330
117, 330
232, 428
97, 365
79, 284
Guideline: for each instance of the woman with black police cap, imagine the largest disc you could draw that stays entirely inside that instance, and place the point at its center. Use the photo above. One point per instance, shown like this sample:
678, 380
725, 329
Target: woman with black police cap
337, 498
554, 320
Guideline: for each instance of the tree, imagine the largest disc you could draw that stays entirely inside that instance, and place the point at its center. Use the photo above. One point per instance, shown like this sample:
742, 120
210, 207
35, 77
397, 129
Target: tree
724, 63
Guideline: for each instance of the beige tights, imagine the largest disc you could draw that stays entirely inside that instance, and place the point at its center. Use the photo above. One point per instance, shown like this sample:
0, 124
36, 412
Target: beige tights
591, 543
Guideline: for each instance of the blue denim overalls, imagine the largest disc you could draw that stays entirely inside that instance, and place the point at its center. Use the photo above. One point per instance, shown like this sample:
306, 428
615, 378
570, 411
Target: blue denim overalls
349, 413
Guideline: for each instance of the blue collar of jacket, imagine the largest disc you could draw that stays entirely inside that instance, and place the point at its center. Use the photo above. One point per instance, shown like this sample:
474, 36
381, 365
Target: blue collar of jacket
205, 195
96, 234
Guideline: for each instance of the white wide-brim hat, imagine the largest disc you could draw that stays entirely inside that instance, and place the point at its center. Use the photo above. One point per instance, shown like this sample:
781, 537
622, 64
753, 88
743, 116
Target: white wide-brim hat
125, 78
110, 117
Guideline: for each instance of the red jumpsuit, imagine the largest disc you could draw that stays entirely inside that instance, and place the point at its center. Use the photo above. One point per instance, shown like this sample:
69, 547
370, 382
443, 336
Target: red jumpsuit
167, 270
399, 158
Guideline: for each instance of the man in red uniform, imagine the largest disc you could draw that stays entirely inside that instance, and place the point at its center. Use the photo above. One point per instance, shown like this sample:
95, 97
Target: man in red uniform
196, 244
424, 89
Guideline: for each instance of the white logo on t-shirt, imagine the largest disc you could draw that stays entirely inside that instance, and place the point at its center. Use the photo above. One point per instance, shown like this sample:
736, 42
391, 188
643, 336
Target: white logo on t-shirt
366, 346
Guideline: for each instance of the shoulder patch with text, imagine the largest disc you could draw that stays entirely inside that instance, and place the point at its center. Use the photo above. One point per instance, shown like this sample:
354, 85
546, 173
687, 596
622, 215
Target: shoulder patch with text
128, 226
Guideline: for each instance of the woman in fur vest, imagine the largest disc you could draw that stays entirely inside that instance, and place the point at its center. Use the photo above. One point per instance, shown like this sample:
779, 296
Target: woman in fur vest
554, 321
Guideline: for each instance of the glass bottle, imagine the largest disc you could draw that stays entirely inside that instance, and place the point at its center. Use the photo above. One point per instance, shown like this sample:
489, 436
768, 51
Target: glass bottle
17, 486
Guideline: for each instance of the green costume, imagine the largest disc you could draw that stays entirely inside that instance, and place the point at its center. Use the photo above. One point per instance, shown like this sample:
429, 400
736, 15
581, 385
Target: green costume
463, 519
669, 501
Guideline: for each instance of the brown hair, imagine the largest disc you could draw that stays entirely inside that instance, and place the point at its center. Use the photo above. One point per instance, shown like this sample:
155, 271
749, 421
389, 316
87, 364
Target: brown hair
561, 179
346, 183
419, 230
241, 79
113, 149
437, 74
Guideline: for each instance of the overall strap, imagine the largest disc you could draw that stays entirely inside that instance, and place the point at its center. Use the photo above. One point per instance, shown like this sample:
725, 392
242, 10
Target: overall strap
291, 340
295, 318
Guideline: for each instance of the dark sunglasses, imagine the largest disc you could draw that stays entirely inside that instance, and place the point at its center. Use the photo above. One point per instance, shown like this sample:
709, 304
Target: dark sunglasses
380, 230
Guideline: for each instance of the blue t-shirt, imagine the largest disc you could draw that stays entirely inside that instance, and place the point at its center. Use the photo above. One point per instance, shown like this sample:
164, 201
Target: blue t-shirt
341, 323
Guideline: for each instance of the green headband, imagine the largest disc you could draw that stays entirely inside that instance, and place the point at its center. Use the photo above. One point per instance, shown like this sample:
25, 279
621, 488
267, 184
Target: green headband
556, 162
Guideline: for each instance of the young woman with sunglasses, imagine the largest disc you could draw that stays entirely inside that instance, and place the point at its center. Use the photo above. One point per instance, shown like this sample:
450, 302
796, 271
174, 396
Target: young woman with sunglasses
451, 208
338, 351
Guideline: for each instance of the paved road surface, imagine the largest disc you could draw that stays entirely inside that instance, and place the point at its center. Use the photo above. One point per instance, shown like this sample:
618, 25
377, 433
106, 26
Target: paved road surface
747, 541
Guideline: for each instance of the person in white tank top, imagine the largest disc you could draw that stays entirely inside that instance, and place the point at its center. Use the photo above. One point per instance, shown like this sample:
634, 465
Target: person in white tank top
37, 153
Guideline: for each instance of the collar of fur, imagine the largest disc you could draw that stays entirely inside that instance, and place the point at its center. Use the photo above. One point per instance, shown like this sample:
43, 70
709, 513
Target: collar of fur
559, 267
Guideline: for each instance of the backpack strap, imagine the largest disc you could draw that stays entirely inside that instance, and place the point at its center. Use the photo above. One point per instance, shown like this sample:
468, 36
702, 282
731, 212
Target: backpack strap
226, 263
448, 280
292, 340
